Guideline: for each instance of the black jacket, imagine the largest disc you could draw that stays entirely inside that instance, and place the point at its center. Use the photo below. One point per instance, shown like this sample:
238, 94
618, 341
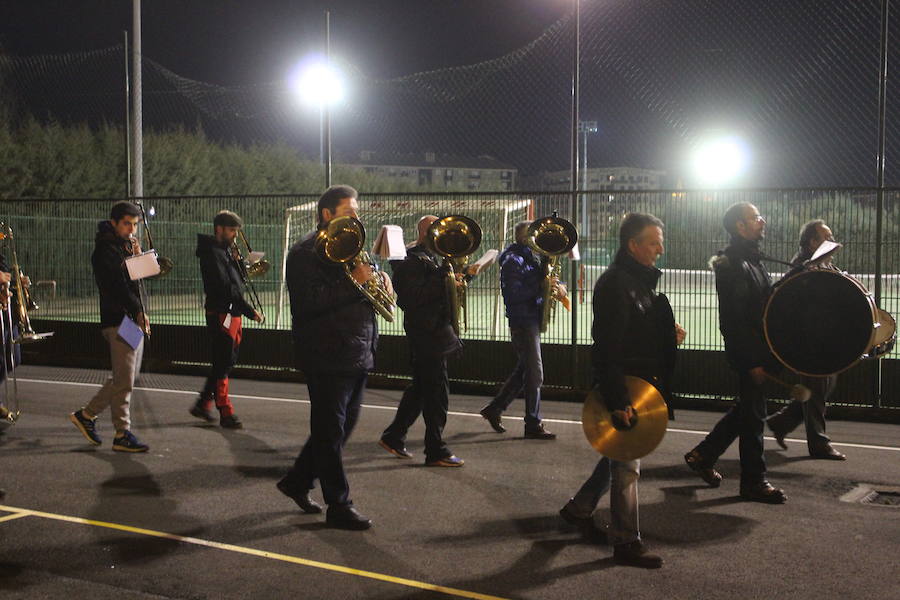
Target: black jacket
420, 283
119, 295
743, 286
333, 324
222, 281
633, 330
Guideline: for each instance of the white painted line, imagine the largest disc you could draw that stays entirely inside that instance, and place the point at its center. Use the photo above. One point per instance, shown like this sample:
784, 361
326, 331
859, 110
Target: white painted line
454, 413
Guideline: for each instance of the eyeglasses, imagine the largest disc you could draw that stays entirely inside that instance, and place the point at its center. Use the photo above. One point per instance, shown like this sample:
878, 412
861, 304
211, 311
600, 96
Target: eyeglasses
756, 219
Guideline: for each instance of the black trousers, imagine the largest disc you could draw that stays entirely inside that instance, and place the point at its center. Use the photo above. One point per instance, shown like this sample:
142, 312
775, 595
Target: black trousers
223, 353
335, 400
428, 395
746, 421
811, 412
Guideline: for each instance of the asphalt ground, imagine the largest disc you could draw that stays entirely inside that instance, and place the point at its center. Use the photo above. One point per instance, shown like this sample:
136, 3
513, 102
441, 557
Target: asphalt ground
199, 516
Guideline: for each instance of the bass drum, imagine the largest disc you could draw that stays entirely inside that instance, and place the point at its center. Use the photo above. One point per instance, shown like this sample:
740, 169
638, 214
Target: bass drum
822, 322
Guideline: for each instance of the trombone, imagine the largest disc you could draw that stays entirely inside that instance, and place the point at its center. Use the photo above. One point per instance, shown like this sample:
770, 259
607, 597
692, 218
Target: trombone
165, 264
552, 237
24, 303
248, 271
454, 237
341, 241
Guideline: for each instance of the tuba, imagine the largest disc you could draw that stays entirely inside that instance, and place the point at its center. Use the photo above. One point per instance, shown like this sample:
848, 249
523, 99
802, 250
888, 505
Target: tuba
341, 241
552, 237
454, 237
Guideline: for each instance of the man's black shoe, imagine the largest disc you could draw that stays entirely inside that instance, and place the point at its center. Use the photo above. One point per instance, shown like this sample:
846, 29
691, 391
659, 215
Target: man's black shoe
826, 452
633, 554
701, 467
306, 504
538, 433
346, 517
398, 450
197, 410
585, 525
763, 492
778, 432
493, 417
230, 422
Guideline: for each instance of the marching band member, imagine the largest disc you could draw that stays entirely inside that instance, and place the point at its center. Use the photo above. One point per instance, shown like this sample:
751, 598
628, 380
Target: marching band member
743, 286
225, 305
812, 412
635, 334
335, 334
119, 298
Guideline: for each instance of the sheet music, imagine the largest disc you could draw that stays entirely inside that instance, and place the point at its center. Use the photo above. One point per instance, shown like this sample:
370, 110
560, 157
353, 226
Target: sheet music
143, 265
389, 243
486, 260
255, 256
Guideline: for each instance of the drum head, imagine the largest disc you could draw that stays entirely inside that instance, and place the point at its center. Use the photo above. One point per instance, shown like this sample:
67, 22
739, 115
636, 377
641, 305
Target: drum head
819, 322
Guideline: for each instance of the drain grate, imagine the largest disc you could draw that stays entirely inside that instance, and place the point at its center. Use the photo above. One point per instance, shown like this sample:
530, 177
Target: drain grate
873, 494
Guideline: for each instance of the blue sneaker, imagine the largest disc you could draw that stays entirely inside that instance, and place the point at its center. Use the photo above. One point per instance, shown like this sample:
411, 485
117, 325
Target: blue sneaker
86, 426
447, 461
128, 443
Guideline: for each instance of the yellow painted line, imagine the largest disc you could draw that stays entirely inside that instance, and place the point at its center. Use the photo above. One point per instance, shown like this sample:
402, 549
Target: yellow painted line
13, 516
24, 512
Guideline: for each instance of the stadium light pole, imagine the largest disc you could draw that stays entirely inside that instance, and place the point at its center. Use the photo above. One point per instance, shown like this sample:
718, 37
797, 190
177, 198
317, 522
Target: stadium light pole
576, 64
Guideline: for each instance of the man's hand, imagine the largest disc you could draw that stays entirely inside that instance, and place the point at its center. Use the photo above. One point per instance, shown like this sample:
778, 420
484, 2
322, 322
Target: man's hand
560, 290
624, 416
388, 284
144, 323
758, 375
258, 316
680, 334
362, 273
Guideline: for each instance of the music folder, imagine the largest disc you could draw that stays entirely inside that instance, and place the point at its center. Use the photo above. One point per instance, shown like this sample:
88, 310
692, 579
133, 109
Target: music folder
389, 243
143, 265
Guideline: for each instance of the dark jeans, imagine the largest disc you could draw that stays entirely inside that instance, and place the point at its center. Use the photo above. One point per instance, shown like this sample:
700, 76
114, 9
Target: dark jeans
745, 420
223, 354
427, 395
528, 375
812, 412
334, 399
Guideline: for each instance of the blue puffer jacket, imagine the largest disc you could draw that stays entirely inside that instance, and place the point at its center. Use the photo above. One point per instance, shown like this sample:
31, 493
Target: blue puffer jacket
521, 273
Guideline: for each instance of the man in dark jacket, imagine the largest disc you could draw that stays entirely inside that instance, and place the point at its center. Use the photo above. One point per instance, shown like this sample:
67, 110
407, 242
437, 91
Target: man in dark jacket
420, 281
521, 274
120, 298
812, 234
743, 286
225, 305
9, 330
335, 335
634, 333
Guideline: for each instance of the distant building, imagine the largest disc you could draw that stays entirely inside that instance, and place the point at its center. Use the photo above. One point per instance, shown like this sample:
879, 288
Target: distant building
600, 178
429, 169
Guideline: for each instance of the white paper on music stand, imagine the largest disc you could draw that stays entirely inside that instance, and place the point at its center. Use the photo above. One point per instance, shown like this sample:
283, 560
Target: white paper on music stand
389, 243
825, 249
143, 265
254, 257
486, 260
574, 254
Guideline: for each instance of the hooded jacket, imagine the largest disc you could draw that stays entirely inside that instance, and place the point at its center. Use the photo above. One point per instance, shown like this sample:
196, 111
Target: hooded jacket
743, 286
119, 295
333, 325
222, 281
633, 330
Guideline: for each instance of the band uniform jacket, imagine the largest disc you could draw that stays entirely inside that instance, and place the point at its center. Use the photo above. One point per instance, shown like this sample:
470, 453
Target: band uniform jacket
222, 280
421, 285
333, 325
119, 295
633, 331
743, 286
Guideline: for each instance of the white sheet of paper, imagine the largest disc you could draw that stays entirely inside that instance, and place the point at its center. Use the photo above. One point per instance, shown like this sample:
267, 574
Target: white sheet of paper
255, 257
389, 243
574, 254
486, 260
143, 265
226, 323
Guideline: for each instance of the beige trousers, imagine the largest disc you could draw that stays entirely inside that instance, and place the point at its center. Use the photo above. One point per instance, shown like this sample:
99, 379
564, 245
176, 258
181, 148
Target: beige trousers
116, 392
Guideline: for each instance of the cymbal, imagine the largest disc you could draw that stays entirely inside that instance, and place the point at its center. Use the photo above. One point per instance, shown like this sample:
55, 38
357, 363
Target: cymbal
642, 439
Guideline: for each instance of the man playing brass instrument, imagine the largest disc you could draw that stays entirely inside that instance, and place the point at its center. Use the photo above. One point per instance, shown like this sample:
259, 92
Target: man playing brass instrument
120, 297
634, 333
422, 294
335, 334
225, 305
521, 275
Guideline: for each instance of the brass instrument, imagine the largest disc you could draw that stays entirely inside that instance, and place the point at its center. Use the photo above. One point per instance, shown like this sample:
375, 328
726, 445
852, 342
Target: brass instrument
257, 268
648, 425
9, 414
165, 264
552, 237
245, 268
455, 238
341, 241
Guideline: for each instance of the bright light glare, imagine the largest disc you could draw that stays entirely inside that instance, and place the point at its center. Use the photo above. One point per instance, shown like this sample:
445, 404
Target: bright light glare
317, 84
720, 161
